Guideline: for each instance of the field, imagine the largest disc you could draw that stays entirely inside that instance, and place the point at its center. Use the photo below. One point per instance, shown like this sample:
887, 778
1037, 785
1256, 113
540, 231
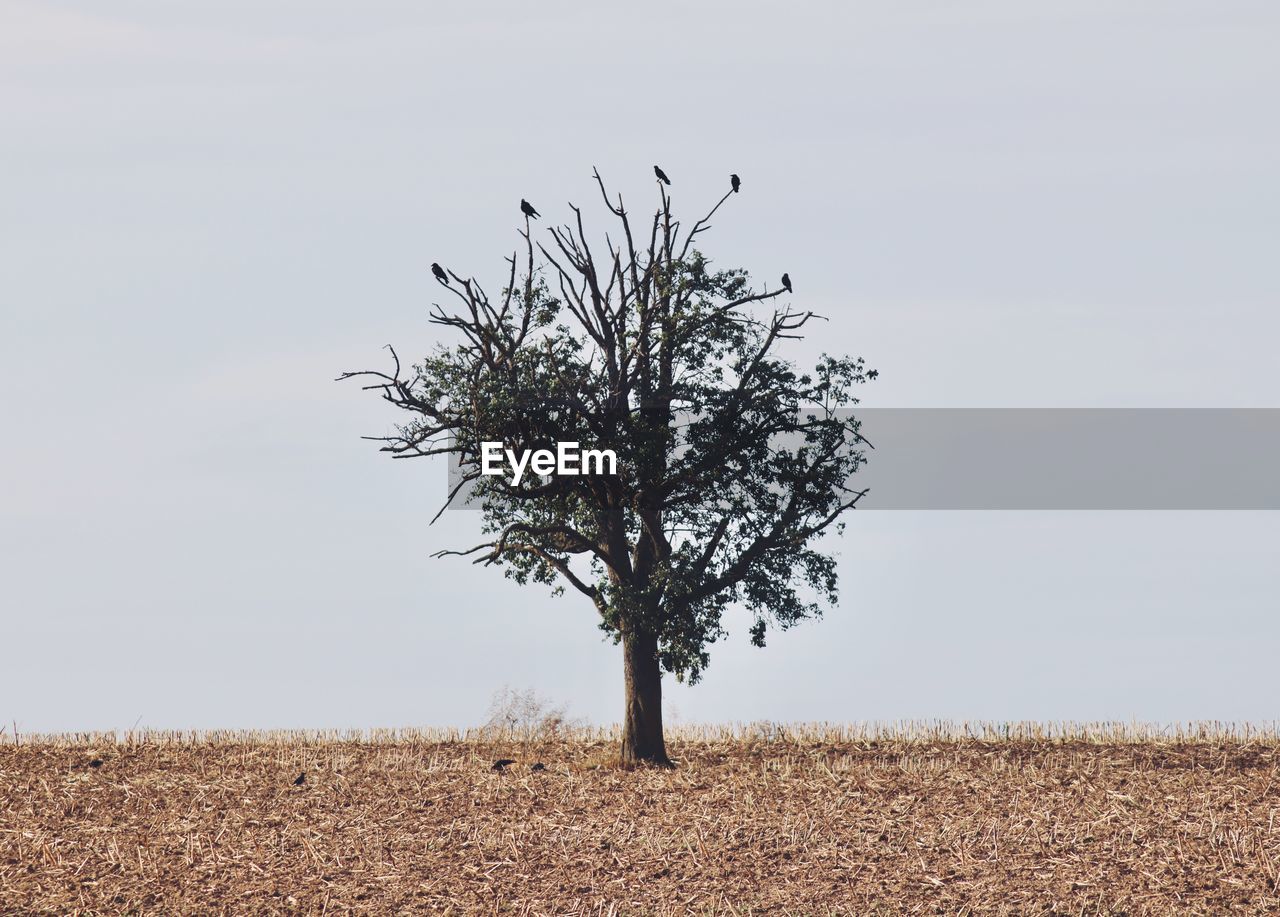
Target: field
863, 820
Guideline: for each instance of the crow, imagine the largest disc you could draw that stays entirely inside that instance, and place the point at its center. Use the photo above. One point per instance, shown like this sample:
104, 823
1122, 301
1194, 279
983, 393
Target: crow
538, 767
440, 273
662, 176
527, 209
786, 283
736, 182
502, 763
302, 778
96, 762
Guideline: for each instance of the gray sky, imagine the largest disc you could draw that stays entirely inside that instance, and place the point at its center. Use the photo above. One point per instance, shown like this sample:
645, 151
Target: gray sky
209, 210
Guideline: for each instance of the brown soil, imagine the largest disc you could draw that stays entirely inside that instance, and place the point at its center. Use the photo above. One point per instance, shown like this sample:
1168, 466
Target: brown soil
788, 825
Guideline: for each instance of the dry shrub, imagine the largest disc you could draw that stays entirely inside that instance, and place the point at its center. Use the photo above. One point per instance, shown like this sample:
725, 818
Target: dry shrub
525, 716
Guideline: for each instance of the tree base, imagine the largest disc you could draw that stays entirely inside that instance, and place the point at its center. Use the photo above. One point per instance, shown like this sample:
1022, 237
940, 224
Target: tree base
634, 763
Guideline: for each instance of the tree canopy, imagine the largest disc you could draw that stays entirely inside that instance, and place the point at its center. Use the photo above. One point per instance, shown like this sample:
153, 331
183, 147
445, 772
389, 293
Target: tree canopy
732, 462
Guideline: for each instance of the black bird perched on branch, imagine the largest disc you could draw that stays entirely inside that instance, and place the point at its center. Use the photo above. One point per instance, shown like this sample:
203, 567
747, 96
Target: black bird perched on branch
439, 272
501, 763
302, 778
736, 182
786, 283
662, 176
527, 209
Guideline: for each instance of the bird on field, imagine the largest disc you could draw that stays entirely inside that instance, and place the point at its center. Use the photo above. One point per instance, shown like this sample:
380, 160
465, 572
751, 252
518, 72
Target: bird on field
502, 763
527, 209
786, 282
736, 182
662, 176
538, 767
440, 273
302, 778
96, 762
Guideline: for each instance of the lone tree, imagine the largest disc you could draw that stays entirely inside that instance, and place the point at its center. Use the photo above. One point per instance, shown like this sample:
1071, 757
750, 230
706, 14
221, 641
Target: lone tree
730, 462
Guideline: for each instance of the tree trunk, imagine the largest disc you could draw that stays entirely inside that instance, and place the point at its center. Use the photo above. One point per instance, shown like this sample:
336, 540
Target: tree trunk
642, 741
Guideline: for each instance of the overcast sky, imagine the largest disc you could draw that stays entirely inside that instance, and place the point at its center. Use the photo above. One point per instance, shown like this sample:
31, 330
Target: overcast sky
207, 211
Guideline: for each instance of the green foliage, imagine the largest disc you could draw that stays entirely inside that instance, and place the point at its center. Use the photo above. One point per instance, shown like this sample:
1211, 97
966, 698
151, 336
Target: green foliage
732, 462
